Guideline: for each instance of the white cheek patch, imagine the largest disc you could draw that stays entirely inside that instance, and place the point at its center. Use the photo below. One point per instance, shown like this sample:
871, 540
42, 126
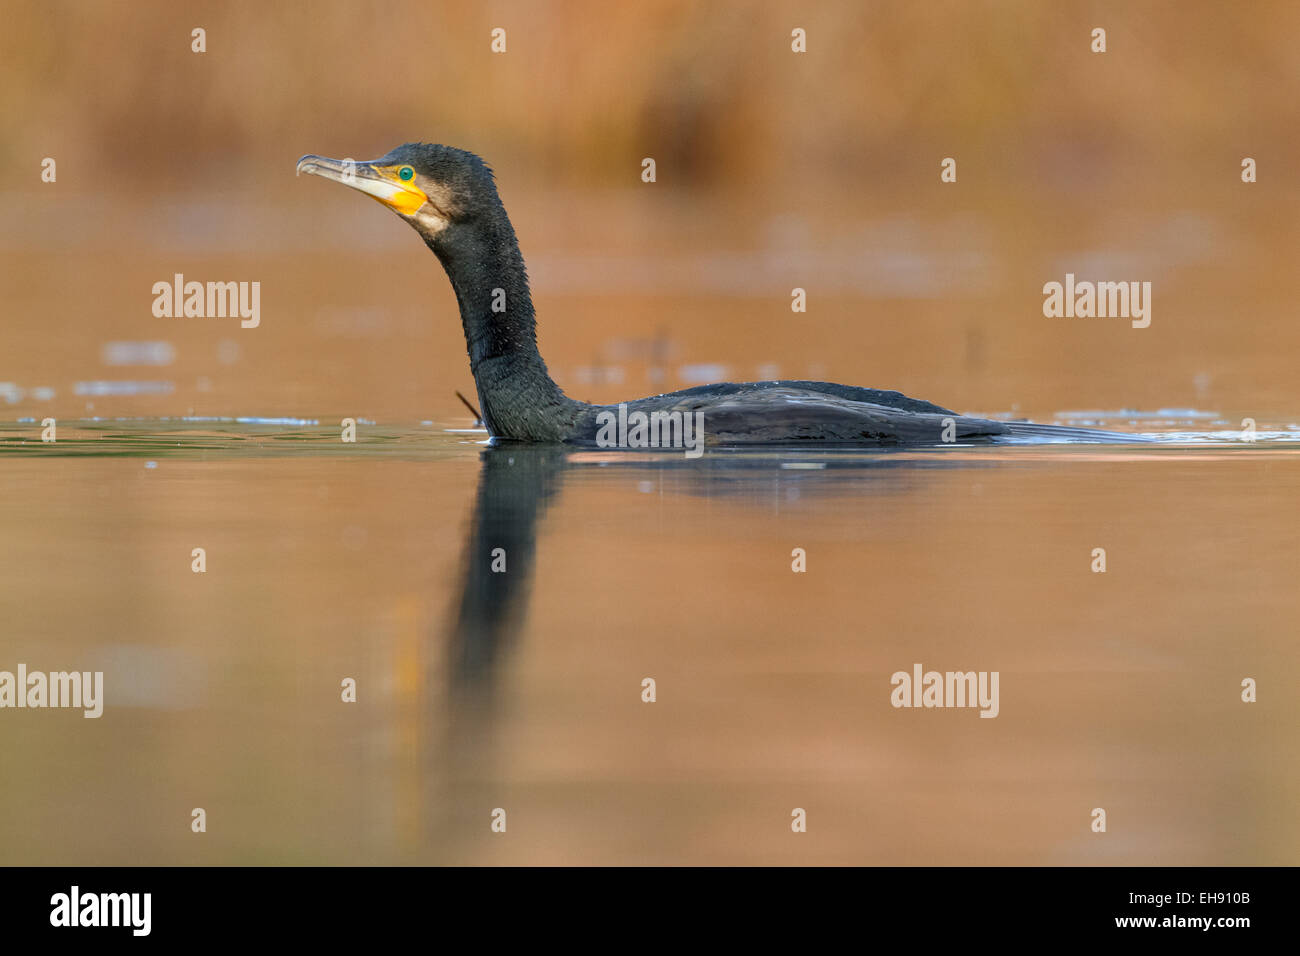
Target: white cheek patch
430, 220
432, 215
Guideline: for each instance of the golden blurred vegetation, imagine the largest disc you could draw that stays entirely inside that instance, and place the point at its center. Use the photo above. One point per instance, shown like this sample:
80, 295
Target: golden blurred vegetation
711, 89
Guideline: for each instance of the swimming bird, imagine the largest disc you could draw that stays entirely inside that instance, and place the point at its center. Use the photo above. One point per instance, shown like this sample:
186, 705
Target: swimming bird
449, 196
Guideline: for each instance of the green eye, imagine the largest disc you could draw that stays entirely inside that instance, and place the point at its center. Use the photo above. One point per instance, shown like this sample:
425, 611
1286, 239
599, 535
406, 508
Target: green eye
406, 174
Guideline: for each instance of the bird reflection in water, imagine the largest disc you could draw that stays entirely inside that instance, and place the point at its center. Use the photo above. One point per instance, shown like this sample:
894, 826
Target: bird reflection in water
518, 483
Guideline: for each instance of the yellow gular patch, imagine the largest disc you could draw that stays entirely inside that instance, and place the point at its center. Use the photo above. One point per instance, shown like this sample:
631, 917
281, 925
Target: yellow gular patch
405, 197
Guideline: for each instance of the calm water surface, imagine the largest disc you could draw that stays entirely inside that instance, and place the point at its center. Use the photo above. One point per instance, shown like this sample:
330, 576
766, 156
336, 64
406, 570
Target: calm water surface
522, 690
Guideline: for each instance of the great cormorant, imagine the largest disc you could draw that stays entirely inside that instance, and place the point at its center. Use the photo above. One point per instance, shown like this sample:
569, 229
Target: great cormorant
450, 198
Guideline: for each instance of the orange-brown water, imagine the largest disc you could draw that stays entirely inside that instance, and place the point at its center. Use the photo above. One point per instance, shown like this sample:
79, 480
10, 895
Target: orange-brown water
522, 690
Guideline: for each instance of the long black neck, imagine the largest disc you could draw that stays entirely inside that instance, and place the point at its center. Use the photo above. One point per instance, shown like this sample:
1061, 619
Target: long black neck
516, 394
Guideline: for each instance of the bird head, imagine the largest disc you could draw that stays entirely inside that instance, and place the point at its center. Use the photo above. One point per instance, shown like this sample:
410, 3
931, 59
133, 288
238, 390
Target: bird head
434, 188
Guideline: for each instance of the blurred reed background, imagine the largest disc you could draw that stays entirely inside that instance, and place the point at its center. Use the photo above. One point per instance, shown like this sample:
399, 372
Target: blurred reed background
775, 170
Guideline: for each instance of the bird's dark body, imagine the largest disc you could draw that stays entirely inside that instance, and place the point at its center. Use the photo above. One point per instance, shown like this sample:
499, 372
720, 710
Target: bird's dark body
800, 411
825, 413
450, 198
